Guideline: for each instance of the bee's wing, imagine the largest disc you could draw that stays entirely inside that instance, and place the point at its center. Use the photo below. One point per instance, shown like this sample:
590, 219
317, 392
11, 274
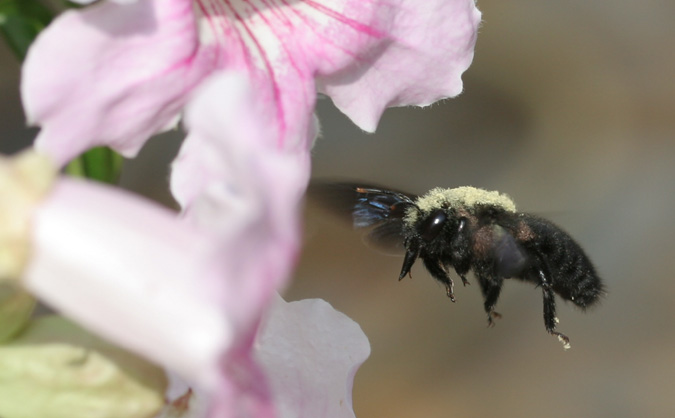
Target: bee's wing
387, 237
510, 258
365, 206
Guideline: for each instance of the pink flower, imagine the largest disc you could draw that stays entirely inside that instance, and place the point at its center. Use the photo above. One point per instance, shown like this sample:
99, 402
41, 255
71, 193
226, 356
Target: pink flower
190, 292
114, 73
153, 284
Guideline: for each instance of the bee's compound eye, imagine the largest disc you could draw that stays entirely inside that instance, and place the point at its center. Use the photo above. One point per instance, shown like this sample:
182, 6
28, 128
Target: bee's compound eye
433, 225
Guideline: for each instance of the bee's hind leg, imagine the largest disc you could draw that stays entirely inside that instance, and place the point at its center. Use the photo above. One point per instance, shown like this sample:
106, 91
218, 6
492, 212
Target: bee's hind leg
550, 319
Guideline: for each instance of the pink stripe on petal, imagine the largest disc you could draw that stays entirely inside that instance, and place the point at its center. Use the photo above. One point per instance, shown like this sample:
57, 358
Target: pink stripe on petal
112, 74
367, 55
277, 43
354, 24
118, 73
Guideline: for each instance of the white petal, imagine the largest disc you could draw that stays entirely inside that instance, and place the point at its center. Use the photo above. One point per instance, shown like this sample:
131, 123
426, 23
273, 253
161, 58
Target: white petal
311, 353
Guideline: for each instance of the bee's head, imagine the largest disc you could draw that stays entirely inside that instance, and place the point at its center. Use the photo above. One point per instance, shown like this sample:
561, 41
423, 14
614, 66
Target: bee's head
440, 224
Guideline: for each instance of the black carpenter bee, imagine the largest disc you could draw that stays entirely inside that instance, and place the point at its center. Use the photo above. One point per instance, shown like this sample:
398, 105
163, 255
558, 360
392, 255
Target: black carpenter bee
467, 228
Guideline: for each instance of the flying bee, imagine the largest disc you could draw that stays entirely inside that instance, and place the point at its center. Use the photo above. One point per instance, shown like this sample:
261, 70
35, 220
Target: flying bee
465, 229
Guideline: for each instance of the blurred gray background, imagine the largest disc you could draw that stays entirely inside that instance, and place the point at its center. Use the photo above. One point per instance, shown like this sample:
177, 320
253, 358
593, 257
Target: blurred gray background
569, 107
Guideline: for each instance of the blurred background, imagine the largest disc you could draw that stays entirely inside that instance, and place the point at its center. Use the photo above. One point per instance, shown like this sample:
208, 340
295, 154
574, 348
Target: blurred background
569, 107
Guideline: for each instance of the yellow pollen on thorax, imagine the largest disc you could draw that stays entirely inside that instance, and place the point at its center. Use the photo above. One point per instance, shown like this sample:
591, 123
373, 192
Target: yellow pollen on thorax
460, 197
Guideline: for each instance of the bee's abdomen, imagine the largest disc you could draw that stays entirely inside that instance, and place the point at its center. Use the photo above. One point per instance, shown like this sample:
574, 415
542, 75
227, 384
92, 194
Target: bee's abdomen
571, 272
578, 283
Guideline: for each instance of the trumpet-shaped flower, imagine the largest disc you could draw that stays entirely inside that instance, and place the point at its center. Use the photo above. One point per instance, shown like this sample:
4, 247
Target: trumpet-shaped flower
115, 72
187, 292
136, 274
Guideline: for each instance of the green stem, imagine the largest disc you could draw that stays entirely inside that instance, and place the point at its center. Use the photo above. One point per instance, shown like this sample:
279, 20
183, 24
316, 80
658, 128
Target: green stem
100, 164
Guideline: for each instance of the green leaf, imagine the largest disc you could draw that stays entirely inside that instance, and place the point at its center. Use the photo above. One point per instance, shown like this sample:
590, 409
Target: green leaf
21, 21
100, 163
55, 369
16, 306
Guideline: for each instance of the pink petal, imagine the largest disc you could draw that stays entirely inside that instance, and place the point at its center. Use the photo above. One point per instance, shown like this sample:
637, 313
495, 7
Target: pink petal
367, 55
233, 180
112, 74
186, 293
310, 353
283, 45
301, 363
132, 272
244, 390
428, 46
229, 129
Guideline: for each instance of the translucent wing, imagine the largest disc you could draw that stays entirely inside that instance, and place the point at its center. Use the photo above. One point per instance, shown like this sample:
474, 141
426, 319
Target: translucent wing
367, 206
510, 259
